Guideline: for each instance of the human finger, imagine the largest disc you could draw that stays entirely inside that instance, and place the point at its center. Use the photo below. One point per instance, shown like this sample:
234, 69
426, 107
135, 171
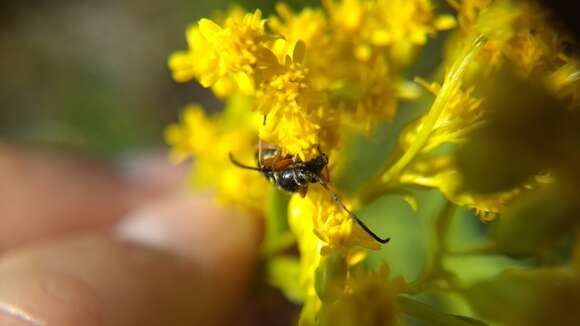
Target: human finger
192, 272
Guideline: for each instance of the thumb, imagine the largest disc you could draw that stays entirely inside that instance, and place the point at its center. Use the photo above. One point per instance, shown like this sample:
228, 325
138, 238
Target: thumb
182, 262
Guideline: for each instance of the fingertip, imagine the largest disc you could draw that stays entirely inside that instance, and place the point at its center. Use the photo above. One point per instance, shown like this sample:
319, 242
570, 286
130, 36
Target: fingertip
97, 280
193, 227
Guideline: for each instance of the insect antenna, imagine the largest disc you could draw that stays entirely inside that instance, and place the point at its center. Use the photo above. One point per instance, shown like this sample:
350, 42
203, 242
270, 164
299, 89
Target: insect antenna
337, 199
240, 165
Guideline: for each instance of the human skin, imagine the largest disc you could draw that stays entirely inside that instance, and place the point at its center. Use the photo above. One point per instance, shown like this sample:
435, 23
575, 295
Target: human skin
82, 243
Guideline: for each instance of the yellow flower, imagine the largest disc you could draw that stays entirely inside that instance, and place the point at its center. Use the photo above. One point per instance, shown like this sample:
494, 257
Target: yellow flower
309, 102
468, 12
211, 141
194, 134
316, 256
461, 114
358, 38
237, 51
518, 33
309, 26
515, 33
440, 172
331, 223
297, 117
401, 25
564, 83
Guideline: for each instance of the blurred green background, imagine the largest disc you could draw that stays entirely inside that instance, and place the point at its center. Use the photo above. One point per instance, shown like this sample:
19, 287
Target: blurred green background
92, 75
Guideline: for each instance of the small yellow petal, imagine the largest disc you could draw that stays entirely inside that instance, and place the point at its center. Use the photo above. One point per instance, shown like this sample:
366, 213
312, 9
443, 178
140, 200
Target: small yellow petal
209, 29
445, 22
245, 83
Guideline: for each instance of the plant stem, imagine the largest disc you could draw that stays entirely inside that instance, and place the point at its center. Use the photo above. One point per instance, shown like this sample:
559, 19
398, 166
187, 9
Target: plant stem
387, 176
434, 269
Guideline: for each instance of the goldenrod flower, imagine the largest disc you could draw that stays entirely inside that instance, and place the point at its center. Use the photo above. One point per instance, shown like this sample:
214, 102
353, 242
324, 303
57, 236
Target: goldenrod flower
296, 116
194, 134
440, 172
318, 242
210, 141
460, 115
400, 25
518, 33
235, 51
305, 81
331, 223
309, 26
468, 12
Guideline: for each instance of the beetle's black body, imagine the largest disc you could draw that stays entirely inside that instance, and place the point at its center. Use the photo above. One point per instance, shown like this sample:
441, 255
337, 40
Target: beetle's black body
292, 175
298, 175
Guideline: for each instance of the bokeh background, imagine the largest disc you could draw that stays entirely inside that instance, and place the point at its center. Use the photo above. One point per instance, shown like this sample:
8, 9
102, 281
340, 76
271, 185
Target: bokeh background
92, 77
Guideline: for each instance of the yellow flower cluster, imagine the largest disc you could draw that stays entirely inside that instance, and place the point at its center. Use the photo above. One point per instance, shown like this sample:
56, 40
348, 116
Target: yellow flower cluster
515, 34
220, 56
305, 81
460, 115
398, 26
519, 33
331, 223
286, 69
211, 140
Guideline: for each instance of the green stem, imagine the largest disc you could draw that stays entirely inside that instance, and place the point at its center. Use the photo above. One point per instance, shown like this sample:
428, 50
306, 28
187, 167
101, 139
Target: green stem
451, 83
434, 270
388, 173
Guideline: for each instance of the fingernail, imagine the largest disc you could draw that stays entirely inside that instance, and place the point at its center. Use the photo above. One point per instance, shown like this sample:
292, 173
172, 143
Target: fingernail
11, 315
191, 226
152, 169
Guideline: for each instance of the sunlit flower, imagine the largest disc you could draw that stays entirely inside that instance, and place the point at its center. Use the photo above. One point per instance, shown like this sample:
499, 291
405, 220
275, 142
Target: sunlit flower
461, 114
210, 140
519, 33
370, 26
331, 223
306, 81
316, 253
192, 135
237, 51
441, 172
309, 26
295, 114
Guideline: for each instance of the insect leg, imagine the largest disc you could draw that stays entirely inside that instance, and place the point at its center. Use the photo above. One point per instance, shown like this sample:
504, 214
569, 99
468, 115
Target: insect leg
326, 174
336, 198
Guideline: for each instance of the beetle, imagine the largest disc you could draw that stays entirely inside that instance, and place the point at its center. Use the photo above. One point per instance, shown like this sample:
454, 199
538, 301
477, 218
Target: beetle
292, 175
